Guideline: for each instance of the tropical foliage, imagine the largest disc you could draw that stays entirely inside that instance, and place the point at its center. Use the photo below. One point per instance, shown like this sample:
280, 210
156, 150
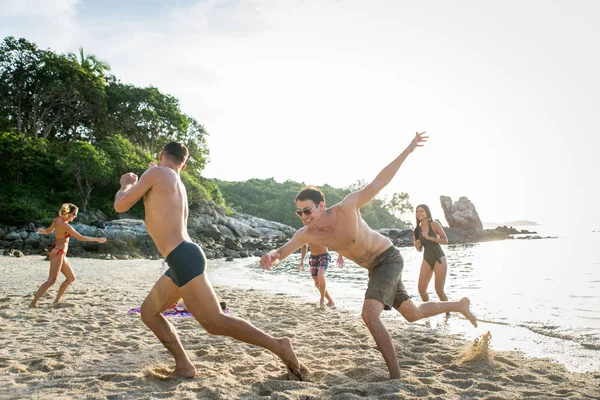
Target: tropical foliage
274, 201
69, 130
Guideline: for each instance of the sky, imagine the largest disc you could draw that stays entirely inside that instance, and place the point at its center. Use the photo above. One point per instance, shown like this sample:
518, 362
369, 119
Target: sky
330, 92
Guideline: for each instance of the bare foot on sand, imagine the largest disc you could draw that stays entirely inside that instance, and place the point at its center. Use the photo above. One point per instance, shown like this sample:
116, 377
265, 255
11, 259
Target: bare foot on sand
186, 371
322, 305
287, 355
466, 310
33, 305
330, 304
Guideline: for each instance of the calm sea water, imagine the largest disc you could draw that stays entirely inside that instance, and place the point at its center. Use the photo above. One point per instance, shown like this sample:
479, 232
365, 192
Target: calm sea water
541, 297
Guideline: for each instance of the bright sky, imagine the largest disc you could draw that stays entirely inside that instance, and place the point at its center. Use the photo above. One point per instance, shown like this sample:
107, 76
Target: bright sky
323, 91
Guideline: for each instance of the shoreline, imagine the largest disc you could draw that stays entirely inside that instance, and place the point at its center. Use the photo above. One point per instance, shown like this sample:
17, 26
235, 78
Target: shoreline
506, 336
88, 346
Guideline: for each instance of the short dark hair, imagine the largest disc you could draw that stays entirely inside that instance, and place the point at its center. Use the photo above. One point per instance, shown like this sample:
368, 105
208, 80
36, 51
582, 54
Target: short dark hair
177, 151
311, 193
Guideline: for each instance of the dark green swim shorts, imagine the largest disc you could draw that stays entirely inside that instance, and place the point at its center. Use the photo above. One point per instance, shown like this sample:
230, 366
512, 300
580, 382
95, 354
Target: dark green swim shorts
385, 279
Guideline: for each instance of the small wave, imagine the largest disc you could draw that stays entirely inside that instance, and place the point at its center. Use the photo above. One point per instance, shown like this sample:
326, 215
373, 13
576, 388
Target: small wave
493, 322
551, 332
591, 346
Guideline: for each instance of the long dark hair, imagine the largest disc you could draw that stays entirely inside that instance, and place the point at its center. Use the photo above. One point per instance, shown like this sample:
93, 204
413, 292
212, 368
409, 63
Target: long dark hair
418, 225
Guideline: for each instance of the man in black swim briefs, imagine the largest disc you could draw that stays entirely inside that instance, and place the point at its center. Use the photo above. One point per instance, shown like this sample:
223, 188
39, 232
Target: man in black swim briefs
166, 214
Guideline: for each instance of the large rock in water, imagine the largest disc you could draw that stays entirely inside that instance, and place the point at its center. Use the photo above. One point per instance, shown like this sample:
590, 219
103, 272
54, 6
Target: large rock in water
461, 214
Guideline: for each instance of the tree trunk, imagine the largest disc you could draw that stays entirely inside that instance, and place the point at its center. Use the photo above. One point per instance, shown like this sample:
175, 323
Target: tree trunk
86, 200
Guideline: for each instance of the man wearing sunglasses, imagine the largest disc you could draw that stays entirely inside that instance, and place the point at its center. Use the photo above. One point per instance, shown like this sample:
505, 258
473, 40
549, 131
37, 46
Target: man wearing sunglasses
342, 229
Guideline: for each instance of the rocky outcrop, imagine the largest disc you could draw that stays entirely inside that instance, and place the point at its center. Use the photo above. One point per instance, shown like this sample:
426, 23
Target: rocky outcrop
461, 214
220, 235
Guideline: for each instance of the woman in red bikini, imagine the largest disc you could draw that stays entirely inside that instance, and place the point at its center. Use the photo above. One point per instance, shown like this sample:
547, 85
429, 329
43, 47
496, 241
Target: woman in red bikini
58, 252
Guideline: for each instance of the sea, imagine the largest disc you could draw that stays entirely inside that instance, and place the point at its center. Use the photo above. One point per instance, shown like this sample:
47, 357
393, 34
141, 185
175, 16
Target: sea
540, 297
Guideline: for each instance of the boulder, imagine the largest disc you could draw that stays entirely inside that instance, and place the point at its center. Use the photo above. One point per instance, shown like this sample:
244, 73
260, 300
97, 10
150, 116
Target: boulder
461, 214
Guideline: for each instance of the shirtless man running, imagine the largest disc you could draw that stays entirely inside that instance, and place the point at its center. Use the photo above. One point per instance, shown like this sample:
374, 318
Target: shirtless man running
319, 261
166, 208
342, 229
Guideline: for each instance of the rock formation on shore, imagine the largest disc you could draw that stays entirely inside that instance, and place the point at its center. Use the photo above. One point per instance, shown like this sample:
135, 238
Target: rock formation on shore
460, 214
224, 236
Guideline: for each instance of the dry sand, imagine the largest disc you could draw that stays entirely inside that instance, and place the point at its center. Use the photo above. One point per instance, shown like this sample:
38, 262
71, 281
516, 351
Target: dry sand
90, 347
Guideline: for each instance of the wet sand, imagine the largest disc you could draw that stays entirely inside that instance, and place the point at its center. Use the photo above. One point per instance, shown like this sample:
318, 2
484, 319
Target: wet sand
90, 347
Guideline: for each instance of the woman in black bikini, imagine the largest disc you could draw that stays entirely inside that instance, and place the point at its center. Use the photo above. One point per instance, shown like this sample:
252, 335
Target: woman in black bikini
58, 252
429, 234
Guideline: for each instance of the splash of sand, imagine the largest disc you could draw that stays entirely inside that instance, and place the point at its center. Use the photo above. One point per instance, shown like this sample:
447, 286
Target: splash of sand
160, 373
478, 350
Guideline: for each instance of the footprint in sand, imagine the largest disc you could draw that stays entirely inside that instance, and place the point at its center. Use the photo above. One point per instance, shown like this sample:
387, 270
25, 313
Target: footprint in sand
442, 359
488, 387
4, 362
556, 378
203, 352
421, 349
63, 305
45, 365
158, 373
462, 384
19, 369
505, 361
122, 343
113, 377
523, 378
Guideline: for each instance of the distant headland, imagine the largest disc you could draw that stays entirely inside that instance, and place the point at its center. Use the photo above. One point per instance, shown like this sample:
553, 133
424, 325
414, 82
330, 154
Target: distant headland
510, 223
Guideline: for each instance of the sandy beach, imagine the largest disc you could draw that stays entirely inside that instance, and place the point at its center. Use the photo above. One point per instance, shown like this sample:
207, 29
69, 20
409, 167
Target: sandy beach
90, 347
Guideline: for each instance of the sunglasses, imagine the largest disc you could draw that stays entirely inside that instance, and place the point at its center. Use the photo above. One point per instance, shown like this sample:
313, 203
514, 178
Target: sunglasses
306, 211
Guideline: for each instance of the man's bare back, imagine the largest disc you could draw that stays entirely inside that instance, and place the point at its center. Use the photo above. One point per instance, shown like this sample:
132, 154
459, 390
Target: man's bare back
167, 229
165, 202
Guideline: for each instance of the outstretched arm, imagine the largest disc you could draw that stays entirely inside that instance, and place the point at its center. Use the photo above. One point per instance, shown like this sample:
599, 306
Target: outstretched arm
273, 257
362, 197
132, 190
47, 231
302, 256
82, 238
340, 261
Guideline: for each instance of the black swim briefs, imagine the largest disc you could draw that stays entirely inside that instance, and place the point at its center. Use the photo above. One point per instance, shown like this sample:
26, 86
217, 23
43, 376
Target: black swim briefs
186, 262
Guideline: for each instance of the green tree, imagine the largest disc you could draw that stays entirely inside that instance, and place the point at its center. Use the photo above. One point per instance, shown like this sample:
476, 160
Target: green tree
145, 116
46, 94
90, 62
124, 156
89, 167
274, 201
399, 205
19, 64
194, 138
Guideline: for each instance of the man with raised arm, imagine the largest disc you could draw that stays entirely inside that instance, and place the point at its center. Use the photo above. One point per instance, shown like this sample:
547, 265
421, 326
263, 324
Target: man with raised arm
342, 229
166, 209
